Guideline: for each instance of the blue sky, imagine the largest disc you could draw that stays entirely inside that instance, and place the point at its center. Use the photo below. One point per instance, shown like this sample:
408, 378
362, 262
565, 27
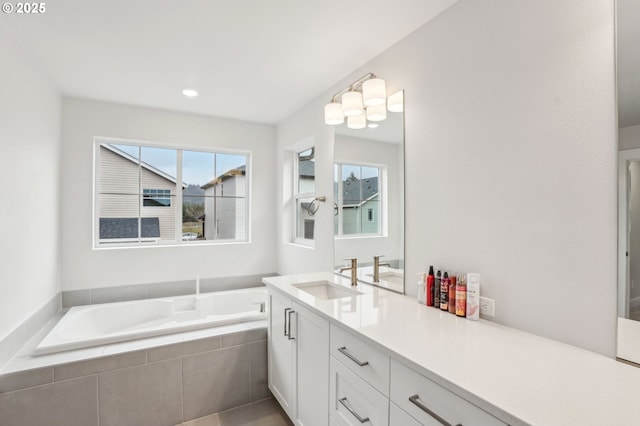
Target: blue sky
198, 167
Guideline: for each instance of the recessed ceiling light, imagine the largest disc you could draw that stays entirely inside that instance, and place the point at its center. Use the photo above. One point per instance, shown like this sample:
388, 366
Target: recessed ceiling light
372, 125
190, 93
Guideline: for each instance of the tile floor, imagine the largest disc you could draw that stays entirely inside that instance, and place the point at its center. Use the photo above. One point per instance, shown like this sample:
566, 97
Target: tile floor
262, 413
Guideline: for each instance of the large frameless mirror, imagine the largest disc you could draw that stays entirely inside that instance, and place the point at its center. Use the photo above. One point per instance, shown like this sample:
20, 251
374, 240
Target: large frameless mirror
368, 191
628, 82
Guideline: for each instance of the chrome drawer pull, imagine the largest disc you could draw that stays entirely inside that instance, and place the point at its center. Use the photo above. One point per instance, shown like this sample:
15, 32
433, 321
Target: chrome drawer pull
414, 400
285, 321
346, 405
343, 351
289, 334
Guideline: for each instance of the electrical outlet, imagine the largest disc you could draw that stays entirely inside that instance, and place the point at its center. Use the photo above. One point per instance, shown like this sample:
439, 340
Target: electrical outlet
487, 307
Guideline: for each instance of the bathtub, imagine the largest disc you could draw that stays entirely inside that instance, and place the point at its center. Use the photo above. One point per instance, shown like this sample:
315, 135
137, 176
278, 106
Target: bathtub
94, 325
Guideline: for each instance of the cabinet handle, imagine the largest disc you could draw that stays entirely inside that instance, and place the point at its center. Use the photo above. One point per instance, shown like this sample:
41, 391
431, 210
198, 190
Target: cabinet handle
414, 400
343, 351
289, 333
285, 321
346, 405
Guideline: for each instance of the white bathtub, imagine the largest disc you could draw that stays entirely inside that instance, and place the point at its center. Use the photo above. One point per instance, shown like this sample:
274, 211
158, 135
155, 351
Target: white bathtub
93, 325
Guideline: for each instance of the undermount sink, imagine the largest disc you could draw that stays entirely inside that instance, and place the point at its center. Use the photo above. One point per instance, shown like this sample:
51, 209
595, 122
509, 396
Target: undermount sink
326, 290
392, 276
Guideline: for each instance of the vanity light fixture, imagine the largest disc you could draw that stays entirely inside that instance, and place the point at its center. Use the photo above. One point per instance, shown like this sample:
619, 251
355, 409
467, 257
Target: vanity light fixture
395, 103
374, 92
357, 122
352, 104
190, 93
377, 112
364, 100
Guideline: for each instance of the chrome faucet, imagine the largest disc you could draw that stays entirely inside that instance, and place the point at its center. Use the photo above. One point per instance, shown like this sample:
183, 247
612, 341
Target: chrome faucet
354, 270
376, 267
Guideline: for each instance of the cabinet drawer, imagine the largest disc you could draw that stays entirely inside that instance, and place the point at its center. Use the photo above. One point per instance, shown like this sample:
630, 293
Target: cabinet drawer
398, 417
353, 352
418, 395
354, 402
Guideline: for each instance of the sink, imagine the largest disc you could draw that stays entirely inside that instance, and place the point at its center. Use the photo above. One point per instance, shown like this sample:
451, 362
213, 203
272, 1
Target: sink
326, 290
391, 276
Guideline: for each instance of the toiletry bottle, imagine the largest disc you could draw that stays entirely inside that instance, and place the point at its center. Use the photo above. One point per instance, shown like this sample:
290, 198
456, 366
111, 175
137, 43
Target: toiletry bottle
461, 296
444, 292
473, 296
436, 290
422, 294
452, 294
430, 283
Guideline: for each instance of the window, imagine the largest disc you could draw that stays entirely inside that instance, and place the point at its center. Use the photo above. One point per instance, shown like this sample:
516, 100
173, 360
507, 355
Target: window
304, 194
357, 191
155, 195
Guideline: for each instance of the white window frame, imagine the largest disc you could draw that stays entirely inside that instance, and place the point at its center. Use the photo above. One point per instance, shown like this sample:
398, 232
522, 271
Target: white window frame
151, 242
297, 196
382, 196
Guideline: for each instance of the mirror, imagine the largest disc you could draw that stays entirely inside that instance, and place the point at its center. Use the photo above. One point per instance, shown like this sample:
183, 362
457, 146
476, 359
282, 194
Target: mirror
628, 82
368, 191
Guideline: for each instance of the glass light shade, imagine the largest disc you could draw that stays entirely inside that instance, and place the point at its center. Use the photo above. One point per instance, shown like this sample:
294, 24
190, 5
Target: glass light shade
395, 103
376, 113
357, 122
374, 92
352, 104
333, 114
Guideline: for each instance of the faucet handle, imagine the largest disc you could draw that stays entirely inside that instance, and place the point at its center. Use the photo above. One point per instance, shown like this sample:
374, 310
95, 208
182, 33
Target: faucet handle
354, 261
379, 256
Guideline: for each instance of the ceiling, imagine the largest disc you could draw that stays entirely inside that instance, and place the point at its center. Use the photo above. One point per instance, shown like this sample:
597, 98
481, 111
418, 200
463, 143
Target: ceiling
252, 60
628, 45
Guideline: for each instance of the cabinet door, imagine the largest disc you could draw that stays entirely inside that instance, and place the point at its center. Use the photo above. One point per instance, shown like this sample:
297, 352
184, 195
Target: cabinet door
312, 340
281, 353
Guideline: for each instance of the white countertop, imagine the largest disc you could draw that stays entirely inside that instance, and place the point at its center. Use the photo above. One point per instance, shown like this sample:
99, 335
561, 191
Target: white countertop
519, 377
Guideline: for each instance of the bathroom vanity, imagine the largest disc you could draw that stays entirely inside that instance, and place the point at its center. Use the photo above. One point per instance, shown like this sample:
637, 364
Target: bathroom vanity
344, 355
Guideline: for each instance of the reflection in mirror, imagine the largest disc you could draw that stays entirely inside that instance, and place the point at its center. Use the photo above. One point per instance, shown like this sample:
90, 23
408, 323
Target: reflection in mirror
369, 200
628, 82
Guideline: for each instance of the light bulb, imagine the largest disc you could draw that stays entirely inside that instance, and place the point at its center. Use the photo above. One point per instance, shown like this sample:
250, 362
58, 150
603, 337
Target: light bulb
352, 104
374, 92
376, 113
357, 122
395, 103
333, 114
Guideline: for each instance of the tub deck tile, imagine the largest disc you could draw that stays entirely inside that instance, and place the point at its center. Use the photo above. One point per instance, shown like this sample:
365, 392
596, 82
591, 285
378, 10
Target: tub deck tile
185, 348
26, 379
93, 366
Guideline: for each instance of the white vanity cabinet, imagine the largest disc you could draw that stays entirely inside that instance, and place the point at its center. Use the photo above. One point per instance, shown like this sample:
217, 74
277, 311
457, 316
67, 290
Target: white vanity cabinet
431, 404
298, 344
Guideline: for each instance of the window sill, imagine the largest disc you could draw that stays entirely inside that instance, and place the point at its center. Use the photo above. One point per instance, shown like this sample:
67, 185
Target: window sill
358, 237
116, 246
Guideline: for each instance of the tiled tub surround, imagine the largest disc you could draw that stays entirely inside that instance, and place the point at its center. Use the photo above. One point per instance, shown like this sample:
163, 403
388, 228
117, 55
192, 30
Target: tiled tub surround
157, 381
17, 339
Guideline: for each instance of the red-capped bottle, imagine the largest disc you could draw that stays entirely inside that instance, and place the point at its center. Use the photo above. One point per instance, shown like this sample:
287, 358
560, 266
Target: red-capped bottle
430, 283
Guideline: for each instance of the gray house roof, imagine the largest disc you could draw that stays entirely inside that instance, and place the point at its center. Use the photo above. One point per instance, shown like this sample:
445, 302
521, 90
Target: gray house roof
238, 171
307, 169
127, 227
351, 195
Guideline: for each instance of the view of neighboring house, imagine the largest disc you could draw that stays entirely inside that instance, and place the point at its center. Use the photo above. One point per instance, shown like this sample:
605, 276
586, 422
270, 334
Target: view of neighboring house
360, 206
225, 206
123, 178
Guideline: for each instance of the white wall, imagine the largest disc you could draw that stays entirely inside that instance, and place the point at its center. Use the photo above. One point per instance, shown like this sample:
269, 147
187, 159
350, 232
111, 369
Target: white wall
307, 124
83, 267
629, 137
29, 167
510, 158
353, 150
